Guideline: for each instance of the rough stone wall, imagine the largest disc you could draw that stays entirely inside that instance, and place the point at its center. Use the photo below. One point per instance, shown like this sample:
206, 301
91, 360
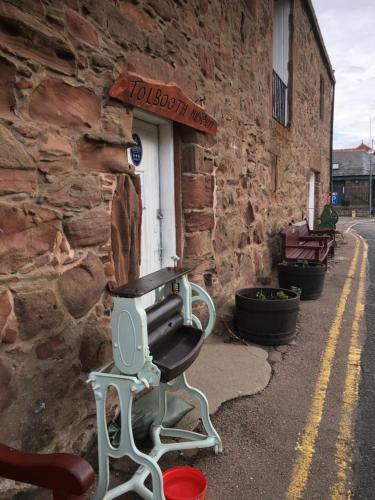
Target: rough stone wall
64, 175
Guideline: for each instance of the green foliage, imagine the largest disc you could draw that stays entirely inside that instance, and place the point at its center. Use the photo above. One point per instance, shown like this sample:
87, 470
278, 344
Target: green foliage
281, 295
260, 295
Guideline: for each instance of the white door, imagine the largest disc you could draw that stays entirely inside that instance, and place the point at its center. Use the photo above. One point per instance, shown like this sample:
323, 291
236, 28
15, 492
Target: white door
148, 169
311, 199
153, 161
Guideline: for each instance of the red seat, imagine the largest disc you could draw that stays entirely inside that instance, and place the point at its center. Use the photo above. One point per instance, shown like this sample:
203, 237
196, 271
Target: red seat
298, 242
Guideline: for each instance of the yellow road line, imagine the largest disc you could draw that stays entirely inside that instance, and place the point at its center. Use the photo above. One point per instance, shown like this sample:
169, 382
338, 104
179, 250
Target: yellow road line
306, 445
343, 457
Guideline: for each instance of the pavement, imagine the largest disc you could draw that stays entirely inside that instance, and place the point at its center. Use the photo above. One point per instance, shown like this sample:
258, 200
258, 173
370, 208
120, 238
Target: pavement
296, 421
219, 372
262, 434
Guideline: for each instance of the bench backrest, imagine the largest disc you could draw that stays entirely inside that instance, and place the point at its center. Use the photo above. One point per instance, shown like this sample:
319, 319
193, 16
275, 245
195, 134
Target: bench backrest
303, 228
290, 235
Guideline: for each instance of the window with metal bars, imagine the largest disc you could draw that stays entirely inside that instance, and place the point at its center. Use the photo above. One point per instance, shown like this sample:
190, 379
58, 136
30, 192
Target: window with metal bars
280, 57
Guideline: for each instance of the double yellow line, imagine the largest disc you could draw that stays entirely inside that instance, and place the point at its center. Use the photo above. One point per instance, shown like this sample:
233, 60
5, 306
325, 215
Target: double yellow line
306, 445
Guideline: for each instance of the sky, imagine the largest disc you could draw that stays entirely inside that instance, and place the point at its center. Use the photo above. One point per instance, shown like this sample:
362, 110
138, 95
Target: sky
348, 30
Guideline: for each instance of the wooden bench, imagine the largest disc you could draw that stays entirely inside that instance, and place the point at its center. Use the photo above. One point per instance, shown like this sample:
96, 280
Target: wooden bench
320, 232
298, 242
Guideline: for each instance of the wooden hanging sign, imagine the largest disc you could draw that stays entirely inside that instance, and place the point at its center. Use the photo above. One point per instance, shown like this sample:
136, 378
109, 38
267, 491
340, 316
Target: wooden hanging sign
164, 99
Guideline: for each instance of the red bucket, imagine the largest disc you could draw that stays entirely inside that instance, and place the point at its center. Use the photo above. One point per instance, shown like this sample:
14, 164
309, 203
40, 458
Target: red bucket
184, 483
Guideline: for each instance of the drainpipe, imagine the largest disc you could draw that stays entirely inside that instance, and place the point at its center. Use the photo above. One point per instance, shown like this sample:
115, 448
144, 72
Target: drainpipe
331, 146
370, 185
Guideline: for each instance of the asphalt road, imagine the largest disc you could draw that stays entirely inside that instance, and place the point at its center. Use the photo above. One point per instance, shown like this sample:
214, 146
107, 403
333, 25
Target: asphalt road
364, 465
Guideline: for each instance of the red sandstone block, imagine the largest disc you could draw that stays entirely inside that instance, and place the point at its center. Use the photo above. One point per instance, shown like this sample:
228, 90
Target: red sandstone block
80, 28
26, 233
30, 39
92, 228
56, 144
197, 244
96, 157
5, 309
81, 287
47, 349
64, 105
8, 391
38, 311
199, 221
192, 159
137, 16
197, 191
206, 62
17, 181
12, 152
189, 135
56, 167
7, 99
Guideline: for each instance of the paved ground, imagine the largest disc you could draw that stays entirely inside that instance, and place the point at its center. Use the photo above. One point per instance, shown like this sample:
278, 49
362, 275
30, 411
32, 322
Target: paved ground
303, 435
260, 433
294, 439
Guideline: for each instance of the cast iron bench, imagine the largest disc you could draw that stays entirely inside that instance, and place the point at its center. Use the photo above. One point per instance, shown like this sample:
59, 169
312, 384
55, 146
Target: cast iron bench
68, 476
152, 348
298, 242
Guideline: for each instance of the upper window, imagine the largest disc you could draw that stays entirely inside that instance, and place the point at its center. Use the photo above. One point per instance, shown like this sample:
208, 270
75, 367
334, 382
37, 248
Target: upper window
335, 166
280, 74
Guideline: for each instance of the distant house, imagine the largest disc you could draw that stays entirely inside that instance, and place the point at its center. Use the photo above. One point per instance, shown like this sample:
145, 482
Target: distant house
351, 177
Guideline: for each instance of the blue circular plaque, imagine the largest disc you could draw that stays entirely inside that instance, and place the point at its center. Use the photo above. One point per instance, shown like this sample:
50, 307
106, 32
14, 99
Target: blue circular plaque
136, 151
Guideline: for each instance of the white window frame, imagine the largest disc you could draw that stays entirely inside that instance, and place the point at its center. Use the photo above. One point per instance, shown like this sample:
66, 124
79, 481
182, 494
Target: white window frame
281, 39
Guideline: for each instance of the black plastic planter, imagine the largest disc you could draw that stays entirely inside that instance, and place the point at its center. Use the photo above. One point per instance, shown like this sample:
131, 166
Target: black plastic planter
308, 277
270, 321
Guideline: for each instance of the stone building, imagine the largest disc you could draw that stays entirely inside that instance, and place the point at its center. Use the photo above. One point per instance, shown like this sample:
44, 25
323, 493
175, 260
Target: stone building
351, 170
78, 210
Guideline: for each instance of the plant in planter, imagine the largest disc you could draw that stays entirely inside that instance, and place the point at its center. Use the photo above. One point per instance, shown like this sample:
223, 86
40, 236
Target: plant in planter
308, 276
267, 316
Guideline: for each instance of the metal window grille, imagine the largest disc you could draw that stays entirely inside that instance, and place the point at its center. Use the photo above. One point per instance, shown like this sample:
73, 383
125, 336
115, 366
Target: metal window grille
279, 99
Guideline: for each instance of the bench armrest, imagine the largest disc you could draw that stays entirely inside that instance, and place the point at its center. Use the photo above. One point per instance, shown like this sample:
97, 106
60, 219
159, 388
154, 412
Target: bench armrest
59, 472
